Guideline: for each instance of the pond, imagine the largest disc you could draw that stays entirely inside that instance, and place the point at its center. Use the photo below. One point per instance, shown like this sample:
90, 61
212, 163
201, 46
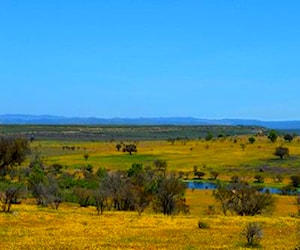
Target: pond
212, 186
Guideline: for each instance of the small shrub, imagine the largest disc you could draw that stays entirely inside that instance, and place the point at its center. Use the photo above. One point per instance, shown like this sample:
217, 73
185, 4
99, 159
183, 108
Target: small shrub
259, 179
235, 179
295, 179
253, 233
243, 146
202, 225
214, 175
278, 178
86, 156
211, 210
209, 136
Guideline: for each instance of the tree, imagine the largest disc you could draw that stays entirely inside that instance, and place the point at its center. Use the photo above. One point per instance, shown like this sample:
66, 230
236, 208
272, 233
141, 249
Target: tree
160, 166
13, 151
214, 175
288, 137
130, 148
251, 139
281, 152
10, 196
295, 179
86, 156
200, 174
273, 136
118, 147
83, 196
259, 178
169, 194
44, 187
243, 199
209, 136
121, 191
143, 185
101, 196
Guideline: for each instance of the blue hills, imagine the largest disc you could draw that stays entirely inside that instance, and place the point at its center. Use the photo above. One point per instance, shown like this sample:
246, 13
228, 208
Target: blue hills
60, 120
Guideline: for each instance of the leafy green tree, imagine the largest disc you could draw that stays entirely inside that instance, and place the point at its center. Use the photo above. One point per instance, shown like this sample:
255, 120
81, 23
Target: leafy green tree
13, 151
273, 136
44, 185
251, 139
135, 170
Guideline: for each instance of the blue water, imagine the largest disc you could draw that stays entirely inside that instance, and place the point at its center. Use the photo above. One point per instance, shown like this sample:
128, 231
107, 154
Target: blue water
212, 186
201, 185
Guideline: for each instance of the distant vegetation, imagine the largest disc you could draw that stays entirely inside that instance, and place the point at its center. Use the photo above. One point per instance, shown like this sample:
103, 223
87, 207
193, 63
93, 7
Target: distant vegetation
126, 133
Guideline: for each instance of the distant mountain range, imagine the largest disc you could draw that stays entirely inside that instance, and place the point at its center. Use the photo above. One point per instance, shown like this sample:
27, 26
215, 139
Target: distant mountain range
59, 120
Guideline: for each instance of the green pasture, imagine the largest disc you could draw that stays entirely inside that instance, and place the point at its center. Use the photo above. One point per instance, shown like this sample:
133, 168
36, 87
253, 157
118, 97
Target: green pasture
229, 156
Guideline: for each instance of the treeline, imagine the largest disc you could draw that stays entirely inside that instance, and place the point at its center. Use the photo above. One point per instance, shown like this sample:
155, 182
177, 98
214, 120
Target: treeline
133, 190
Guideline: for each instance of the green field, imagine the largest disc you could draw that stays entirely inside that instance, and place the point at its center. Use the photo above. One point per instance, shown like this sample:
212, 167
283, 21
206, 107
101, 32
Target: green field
229, 156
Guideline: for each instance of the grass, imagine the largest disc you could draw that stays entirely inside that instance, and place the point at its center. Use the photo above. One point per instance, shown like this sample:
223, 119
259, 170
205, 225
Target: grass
221, 155
72, 227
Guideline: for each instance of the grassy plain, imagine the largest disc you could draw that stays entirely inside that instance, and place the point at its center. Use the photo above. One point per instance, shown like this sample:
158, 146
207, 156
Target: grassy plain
228, 156
72, 227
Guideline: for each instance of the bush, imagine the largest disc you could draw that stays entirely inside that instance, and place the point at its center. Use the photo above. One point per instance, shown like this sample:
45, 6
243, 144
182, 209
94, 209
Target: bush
83, 196
273, 136
281, 152
209, 136
295, 179
253, 232
86, 156
251, 139
288, 137
202, 225
259, 179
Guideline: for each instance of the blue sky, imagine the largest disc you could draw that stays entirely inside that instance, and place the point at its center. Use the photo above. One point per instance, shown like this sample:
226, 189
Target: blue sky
136, 58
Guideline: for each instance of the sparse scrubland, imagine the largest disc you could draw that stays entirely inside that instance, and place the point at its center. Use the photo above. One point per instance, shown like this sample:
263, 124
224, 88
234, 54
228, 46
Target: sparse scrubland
94, 194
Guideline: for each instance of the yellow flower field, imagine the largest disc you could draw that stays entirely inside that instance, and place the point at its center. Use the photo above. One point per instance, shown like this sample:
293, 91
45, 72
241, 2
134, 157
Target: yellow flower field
72, 227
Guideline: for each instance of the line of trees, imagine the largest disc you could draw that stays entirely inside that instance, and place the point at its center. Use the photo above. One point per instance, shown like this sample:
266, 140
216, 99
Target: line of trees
133, 190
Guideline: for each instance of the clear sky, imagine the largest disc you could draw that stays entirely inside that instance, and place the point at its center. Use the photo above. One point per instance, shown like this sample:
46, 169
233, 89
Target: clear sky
158, 58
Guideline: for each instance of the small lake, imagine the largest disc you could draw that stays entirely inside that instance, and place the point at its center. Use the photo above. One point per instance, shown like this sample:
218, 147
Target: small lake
212, 186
